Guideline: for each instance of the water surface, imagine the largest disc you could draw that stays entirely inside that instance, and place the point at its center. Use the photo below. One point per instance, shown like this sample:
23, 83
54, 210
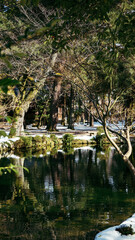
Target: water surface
68, 196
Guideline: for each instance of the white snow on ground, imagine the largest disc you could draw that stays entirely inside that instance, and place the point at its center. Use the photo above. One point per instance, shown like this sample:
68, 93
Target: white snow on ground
112, 234
79, 137
13, 156
14, 139
6, 139
83, 137
60, 127
3, 139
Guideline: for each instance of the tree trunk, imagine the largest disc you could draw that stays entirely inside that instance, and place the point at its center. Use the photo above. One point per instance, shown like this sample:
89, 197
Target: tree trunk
91, 116
70, 117
19, 114
64, 120
18, 121
127, 155
91, 120
54, 105
19, 111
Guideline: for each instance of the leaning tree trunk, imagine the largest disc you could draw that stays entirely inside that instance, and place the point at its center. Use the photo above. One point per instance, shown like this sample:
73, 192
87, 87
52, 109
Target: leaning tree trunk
125, 156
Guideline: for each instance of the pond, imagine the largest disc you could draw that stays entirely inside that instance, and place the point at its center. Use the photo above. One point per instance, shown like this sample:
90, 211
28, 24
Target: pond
64, 196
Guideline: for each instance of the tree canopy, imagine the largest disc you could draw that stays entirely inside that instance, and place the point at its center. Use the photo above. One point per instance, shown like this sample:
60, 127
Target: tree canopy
89, 43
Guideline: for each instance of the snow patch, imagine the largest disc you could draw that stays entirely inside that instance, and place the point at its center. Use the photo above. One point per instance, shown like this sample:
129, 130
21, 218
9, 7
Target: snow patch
84, 137
6, 139
13, 156
113, 234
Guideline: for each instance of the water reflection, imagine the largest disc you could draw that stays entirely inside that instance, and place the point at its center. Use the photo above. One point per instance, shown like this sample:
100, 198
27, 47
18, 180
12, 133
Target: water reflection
68, 196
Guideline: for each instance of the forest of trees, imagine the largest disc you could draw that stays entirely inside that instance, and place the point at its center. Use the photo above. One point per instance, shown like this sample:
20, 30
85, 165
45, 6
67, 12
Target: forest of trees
73, 56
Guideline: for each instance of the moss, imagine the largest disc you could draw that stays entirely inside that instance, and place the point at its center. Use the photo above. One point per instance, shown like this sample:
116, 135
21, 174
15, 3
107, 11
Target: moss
18, 111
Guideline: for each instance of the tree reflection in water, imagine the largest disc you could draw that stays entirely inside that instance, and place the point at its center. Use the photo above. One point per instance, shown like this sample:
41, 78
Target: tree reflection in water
69, 196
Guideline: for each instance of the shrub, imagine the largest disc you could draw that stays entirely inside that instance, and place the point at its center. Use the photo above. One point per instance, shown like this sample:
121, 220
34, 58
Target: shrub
3, 133
27, 142
19, 144
101, 138
49, 142
12, 132
23, 142
54, 151
37, 141
67, 139
54, 139
44, 139
80, 142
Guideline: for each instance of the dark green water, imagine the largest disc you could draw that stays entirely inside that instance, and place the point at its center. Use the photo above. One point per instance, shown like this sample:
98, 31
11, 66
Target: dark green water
65, 196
